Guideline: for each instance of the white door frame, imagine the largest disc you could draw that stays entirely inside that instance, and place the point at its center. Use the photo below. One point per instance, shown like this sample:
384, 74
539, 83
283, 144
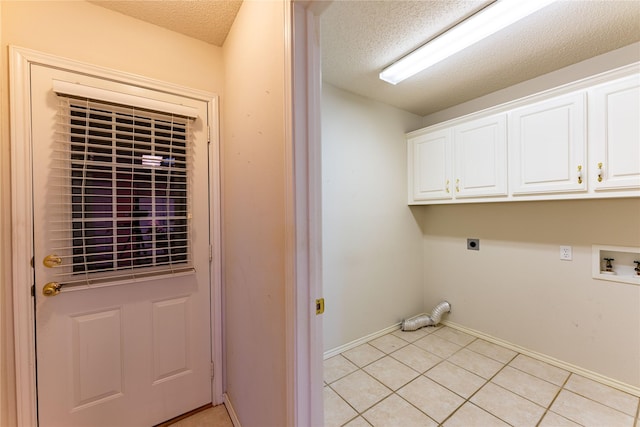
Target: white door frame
21, 60
304, 207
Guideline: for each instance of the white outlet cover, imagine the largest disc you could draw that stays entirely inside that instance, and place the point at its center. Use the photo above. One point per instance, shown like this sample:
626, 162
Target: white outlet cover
566, 253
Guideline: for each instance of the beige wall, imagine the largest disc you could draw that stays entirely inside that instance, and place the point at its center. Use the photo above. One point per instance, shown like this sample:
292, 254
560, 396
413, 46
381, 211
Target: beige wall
598, 64
516, 288
88, 33
7, 379
253, 156
372, 245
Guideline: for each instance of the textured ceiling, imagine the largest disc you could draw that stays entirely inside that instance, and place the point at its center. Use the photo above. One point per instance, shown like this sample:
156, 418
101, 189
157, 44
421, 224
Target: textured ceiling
206, 20
360, 38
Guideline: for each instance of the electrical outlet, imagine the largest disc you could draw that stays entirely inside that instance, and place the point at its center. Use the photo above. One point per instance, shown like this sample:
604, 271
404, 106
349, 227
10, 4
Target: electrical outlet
566, 253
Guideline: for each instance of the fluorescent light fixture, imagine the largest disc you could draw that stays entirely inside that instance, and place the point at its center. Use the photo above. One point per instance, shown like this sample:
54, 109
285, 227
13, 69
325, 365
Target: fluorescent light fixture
488, 21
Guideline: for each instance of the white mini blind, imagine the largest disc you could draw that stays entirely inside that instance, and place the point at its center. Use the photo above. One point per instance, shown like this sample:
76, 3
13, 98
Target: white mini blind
120, 206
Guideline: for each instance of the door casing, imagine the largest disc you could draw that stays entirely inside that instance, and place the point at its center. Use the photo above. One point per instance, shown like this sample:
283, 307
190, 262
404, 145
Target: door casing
22, 219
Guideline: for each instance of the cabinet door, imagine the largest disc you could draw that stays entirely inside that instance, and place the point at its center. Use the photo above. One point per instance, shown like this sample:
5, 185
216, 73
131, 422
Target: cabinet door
615, 134
430, 173
547, 144
481, 157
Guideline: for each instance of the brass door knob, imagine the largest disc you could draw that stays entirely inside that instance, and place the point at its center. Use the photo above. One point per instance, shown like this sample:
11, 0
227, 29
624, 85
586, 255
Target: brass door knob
51, 289
51, 261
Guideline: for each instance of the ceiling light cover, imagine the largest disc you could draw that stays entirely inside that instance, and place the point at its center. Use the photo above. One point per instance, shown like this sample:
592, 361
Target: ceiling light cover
488, 21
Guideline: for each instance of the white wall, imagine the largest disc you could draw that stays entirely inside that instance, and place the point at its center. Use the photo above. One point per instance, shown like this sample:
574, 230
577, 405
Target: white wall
254, 223
89, 33
598, 64
372, 244
516, 288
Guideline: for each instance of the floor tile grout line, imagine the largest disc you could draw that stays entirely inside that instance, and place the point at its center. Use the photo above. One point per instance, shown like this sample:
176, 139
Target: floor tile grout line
479, 407
410, 367
529, 373
487, 381
399, 396
406, 343
525, 397
468, 400
492, 358
339, 378
348, 404
577, 393
445, 387
367, 364
424, 373
548, 409
392, 393
345, 401
596, 401
538, 377
395, 391
505, 364
374, 404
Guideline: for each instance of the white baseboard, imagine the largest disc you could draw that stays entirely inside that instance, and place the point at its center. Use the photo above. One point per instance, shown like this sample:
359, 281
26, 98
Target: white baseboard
548, 359
360, 341
231, 411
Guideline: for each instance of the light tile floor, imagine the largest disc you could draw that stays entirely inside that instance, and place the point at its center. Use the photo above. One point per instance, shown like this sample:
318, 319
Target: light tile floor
439, 376
216, 416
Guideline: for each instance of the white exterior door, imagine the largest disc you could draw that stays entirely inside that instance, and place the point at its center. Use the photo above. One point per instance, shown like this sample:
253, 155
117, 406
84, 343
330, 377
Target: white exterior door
126, 344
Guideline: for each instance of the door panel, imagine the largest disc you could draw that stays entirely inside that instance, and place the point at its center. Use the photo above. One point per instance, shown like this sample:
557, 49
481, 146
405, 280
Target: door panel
430, 157
132, 352
481, 157
96, 357
614, 109
548, 146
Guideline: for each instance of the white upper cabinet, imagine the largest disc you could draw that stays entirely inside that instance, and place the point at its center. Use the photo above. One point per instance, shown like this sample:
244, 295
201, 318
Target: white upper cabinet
430, 166
614, 132
580, 140
548, 146
480, 157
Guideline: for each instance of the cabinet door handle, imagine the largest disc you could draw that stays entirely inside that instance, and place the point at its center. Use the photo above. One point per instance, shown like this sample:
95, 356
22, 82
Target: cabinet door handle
579, 174
600, 172
447, 186
457, 185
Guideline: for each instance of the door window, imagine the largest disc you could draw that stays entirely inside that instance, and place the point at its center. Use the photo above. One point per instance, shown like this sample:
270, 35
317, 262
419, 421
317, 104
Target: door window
122, 174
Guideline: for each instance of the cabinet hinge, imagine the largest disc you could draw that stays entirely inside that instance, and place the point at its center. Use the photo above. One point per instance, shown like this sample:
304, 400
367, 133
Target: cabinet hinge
33, 290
